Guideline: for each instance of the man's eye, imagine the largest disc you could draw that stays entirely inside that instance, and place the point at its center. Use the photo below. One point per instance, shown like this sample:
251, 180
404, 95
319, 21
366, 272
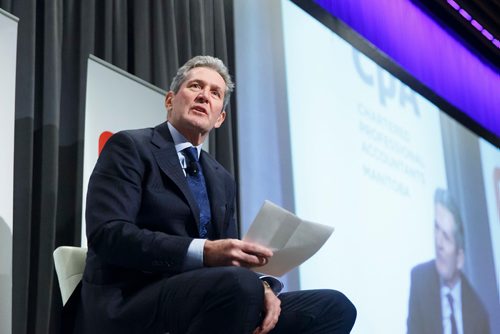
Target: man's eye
195, 85
216, 93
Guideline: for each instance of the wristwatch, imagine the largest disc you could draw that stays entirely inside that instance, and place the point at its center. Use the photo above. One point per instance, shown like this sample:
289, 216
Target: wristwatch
266, 285
272, 283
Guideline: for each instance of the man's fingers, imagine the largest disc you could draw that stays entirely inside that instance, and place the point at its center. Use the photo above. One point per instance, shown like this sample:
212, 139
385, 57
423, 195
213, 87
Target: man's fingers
256, 249
272, 308
235, 252
269, 322
248, 260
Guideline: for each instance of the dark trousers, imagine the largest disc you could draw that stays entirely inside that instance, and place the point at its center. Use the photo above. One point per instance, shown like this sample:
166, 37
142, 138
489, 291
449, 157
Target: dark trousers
230, 300
224, 300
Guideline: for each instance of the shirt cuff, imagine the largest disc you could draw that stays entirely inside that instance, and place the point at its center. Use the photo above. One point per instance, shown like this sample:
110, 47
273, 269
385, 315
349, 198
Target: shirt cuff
275, 284
194, 255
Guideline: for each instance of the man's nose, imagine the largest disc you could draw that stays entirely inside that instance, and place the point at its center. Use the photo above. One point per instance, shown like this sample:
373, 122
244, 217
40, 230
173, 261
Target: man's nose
202, 96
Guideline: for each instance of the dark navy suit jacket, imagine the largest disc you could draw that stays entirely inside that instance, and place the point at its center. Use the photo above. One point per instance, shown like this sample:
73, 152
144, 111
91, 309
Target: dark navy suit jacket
424, 314
141, 218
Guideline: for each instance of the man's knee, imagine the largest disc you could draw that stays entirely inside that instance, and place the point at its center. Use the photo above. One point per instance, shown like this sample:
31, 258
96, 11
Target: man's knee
234, 303
342, 306
349, 309
237, 281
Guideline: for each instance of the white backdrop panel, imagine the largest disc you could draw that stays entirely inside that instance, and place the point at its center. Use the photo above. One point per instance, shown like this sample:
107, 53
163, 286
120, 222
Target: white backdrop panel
116, 100
8, 47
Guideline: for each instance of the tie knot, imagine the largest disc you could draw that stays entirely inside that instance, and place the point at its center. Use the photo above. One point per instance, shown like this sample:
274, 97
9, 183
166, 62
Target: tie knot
191, 153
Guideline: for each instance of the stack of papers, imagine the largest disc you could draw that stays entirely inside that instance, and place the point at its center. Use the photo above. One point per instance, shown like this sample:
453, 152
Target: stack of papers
291, 239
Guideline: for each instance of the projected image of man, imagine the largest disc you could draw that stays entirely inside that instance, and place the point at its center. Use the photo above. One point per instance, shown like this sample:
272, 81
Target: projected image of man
441, 298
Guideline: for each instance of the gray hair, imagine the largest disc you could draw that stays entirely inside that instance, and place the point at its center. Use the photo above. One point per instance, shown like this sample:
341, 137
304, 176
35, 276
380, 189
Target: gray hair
204, 61
444, 198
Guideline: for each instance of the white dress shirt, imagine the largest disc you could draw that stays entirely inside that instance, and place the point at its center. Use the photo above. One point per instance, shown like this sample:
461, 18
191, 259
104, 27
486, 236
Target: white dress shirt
194, 256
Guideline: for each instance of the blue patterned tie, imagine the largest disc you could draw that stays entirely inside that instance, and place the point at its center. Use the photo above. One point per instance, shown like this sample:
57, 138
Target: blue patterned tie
452, 315
196, 182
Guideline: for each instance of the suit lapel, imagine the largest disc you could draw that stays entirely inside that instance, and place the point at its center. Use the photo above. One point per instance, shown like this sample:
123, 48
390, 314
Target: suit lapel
168, 161
467, 312
435, 313
216, 192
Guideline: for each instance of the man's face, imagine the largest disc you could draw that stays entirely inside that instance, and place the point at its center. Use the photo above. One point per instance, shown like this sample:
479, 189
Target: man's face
197, 107
449, 257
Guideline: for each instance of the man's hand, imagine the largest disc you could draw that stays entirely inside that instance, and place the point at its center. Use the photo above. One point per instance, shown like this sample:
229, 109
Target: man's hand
272, 310
234, 252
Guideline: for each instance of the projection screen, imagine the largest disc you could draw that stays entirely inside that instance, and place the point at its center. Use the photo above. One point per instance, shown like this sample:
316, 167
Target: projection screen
331, 135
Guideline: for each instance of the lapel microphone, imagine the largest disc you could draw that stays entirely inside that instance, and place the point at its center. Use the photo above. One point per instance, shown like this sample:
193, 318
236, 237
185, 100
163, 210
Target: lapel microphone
192, 168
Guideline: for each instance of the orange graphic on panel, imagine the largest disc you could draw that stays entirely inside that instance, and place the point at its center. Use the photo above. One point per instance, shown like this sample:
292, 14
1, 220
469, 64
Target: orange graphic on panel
103, 138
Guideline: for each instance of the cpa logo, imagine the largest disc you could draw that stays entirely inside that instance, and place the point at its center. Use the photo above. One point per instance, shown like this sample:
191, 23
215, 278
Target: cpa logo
389, 88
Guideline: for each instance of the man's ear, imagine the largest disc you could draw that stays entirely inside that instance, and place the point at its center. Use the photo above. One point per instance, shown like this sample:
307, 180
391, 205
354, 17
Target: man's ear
168, 100
220, 119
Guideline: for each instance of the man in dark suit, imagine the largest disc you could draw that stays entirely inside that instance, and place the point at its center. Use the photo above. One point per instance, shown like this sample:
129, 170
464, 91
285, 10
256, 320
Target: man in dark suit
441, 298
163, 251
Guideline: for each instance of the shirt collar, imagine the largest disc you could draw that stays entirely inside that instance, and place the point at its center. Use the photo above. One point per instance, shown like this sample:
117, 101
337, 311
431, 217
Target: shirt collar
180, 141
455, 291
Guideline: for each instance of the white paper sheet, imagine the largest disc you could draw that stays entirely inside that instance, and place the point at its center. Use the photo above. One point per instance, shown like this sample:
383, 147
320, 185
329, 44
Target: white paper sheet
291, 239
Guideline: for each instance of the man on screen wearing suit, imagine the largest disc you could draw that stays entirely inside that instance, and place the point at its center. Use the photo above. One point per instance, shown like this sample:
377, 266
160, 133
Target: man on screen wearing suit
163, 254
441, 298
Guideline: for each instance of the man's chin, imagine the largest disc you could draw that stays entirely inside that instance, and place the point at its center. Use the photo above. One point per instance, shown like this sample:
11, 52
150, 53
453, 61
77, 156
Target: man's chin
441, 269
446, 277
199, 122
